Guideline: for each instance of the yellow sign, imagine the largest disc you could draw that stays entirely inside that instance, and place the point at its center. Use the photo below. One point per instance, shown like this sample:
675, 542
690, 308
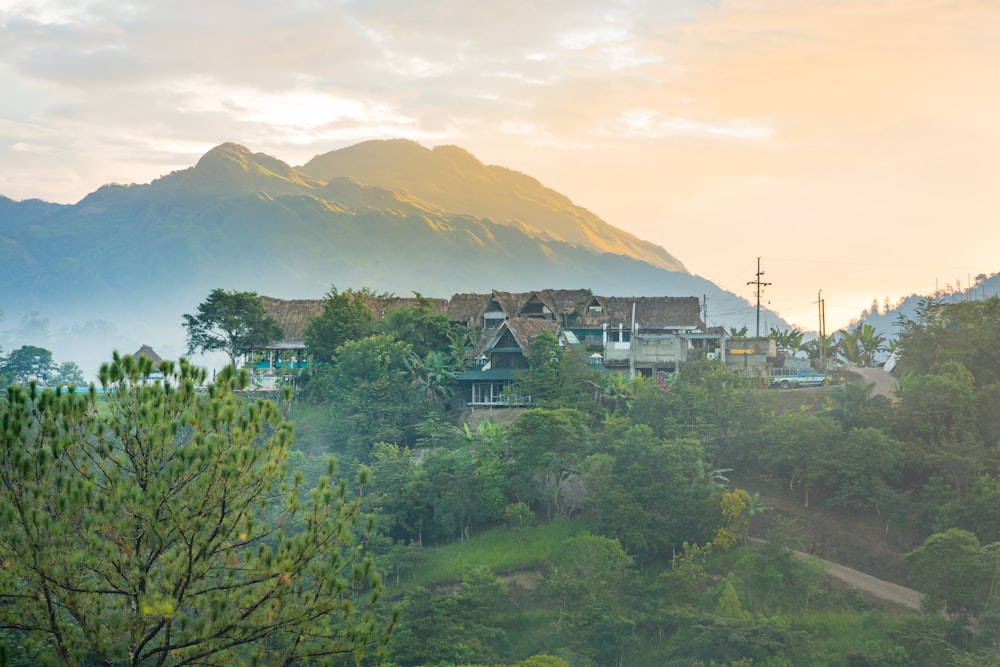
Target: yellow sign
739, 351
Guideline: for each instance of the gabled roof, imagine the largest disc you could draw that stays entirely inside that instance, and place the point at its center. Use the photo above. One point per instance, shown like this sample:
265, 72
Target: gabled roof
524, 330
566, 301
510, 302
651, 312
467, 308
147, 351
663, 312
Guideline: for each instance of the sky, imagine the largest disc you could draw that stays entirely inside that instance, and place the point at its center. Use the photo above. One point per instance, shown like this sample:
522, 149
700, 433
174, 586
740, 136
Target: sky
851, 145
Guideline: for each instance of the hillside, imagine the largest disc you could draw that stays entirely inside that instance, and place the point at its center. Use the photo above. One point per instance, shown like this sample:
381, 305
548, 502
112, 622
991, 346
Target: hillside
885, 319
392, 216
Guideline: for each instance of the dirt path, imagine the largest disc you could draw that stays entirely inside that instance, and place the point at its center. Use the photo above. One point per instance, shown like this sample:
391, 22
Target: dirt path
883, 590
866, 583
885, 383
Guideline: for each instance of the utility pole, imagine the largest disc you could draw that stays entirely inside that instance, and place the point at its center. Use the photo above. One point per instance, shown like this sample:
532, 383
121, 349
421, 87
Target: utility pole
704, 309
759, 284
822, 332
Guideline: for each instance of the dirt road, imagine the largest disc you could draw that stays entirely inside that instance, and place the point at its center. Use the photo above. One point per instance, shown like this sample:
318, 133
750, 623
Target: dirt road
866, 583
878, 588
885, 383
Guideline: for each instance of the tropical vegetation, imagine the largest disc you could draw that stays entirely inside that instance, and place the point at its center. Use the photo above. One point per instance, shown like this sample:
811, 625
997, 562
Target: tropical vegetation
613, 522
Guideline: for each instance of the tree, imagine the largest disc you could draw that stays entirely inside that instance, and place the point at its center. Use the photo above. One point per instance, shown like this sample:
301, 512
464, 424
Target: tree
345, 317
433, 375
788, 340
419, 326
231, 322
967, 332
937, 412
855, 405
735, 507
541, 381
28, 363
796, 444
859, 468
547, 447
949, 570
69, 373
822, 349
154, 525
652, 494
589, 574
452, 629
870, 342
849, 345
371, 399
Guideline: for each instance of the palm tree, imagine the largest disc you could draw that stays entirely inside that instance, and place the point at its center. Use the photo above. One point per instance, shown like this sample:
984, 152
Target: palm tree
620, 390
432, 374
870, 342
789, 340
849, 403
848, 346
821, 348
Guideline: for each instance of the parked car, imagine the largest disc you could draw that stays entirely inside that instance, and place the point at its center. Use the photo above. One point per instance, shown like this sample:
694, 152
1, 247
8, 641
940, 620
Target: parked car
805, 377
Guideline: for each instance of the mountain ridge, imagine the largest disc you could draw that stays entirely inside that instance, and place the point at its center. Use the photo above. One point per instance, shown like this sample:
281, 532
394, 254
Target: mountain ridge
394, 162
140, 255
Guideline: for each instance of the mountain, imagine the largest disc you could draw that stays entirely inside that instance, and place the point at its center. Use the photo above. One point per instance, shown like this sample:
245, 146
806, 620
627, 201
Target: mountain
453, 180
885, 320
390, 215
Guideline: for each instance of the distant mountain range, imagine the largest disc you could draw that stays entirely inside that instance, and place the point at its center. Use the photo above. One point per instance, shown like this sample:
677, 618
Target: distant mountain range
390, 215
886, 319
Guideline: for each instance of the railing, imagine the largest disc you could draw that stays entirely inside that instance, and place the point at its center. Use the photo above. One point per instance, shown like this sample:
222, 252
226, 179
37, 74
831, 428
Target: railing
505, 401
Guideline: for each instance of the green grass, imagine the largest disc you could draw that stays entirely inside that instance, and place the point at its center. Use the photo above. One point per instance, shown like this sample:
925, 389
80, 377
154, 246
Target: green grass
844, 632
501, 549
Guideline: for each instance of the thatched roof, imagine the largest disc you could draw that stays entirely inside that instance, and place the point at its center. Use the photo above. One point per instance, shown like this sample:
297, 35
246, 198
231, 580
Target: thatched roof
147, 351
292, 314
524, 331
466, 309
438, 306
509, 302
651, 312
565, 301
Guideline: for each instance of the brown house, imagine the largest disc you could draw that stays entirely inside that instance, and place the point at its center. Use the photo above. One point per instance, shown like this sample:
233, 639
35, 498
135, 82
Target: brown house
499, 357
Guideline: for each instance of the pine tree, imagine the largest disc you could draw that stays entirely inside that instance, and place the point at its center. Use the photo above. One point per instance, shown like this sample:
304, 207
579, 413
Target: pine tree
154, 524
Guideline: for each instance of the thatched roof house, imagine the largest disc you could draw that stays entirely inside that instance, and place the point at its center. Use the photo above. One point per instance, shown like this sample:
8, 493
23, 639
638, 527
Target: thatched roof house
292, 315
467, 309
147, 351
523, 331
650, 312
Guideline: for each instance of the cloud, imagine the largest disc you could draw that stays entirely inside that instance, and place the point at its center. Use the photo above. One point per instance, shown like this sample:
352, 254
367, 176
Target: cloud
708, 127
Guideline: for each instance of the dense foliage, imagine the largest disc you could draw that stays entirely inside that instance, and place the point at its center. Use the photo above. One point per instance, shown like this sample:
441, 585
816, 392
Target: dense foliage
155, 524
608, 524
660, 572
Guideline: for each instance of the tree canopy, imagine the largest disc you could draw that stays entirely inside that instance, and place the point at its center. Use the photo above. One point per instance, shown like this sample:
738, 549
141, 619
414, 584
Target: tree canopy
232, 322
344, 318
27, 363
159, 527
